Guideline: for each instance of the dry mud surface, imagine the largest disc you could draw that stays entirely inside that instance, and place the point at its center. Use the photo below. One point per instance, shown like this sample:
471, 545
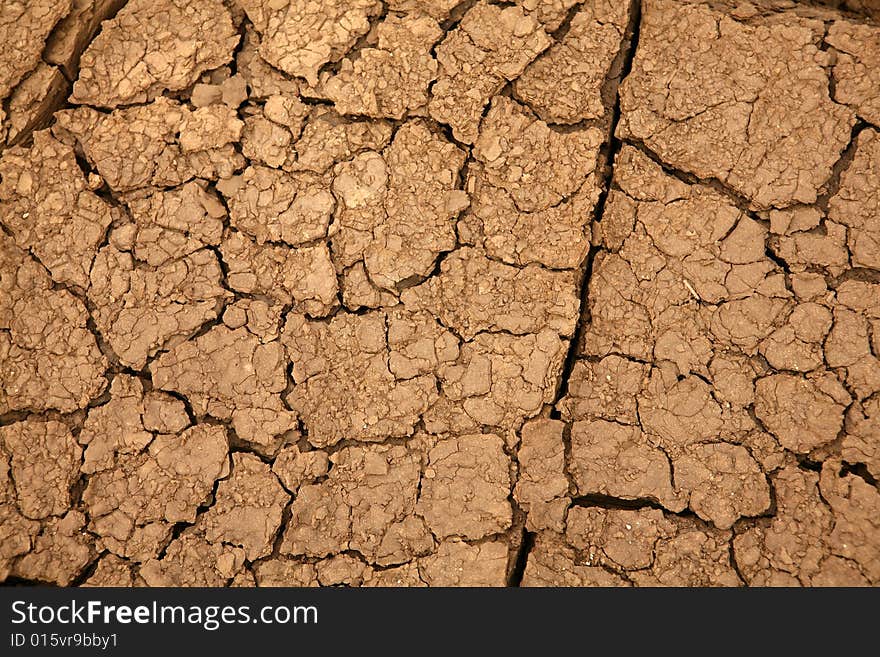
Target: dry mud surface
426, 292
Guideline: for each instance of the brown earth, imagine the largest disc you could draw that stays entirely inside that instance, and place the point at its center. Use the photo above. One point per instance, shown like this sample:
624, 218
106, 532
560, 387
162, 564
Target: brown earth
426, 292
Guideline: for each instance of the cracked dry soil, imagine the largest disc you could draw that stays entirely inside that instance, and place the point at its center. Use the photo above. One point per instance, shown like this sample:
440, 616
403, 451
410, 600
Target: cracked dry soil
429, 292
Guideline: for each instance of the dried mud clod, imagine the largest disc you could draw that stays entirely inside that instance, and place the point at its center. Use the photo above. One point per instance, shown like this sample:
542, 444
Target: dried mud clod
410, 293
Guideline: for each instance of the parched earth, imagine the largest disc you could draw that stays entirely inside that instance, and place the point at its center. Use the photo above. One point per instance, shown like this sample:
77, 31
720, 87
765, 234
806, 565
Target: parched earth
427, 292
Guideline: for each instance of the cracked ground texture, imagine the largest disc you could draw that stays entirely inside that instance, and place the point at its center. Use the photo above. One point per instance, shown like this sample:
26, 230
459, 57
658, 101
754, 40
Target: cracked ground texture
440, 293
